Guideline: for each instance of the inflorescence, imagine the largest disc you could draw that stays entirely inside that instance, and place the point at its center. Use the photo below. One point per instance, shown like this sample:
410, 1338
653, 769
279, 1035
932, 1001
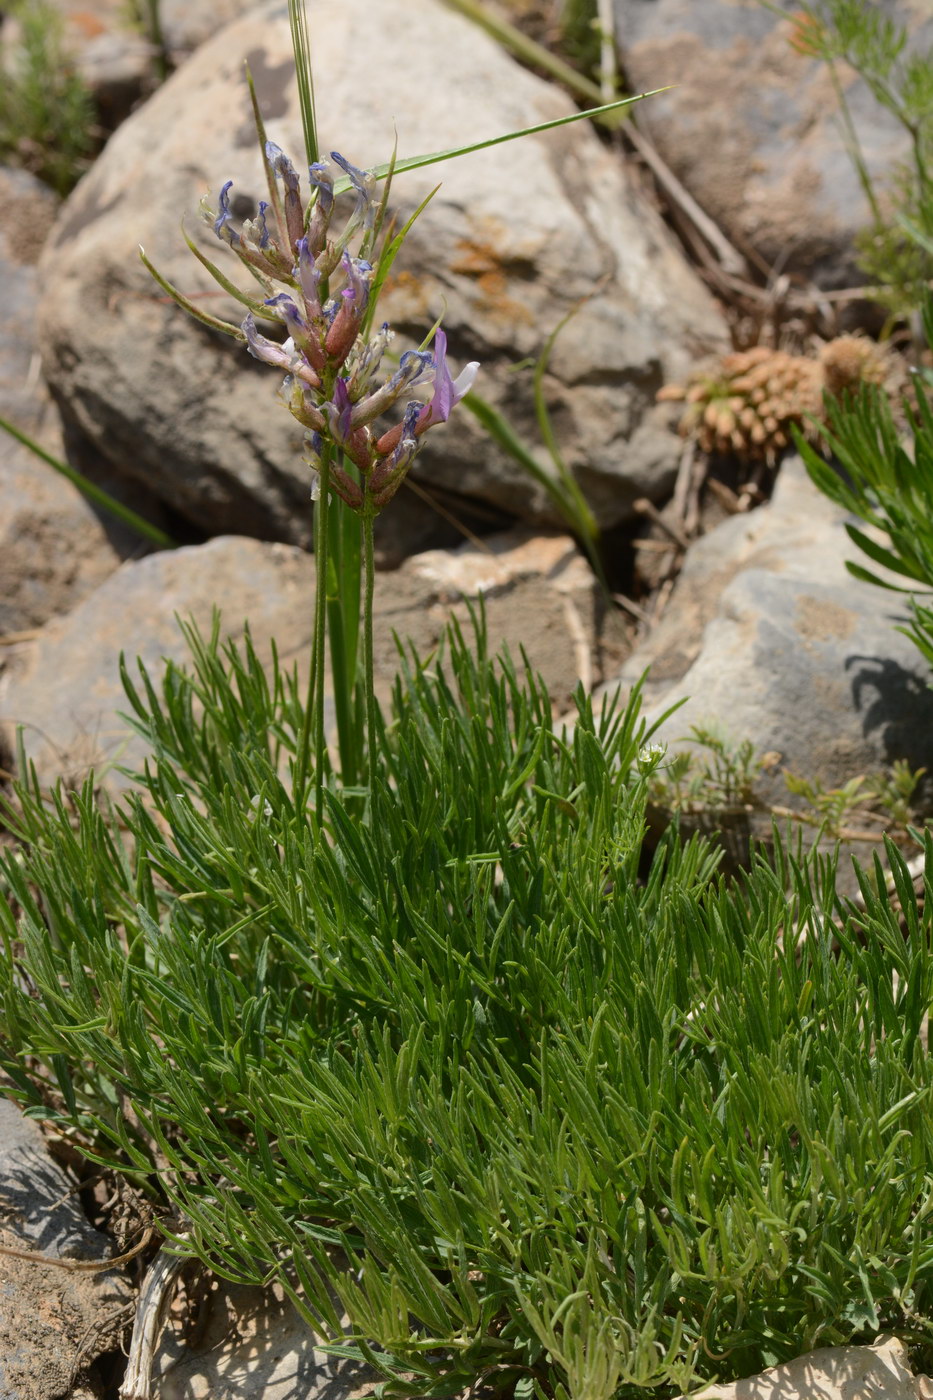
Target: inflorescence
331, 357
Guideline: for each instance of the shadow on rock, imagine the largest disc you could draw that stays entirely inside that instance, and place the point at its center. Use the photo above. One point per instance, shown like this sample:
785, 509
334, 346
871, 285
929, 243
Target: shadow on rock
895, 706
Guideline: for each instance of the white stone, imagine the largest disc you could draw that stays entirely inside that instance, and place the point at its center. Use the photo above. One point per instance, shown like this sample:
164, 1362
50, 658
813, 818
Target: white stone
877, 1372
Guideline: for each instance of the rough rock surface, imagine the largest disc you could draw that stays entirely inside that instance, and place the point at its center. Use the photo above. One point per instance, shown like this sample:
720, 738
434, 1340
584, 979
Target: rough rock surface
94, 28
539, 593
878, 1372
186, 24
513, 239
53, 549
65, 686
254, 1346
117, 56
751, 126
772, 640
53, 1321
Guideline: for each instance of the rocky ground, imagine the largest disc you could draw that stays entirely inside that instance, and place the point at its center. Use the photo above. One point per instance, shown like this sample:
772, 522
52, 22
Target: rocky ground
745, 225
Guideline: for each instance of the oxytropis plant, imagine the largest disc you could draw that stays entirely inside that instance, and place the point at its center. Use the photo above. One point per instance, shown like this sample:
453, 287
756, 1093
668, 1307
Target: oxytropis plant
320, 281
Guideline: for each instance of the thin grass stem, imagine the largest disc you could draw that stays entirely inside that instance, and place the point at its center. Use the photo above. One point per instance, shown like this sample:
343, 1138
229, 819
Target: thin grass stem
93, 493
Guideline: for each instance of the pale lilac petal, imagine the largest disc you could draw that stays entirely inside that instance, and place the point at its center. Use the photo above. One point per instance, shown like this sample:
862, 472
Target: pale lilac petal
267, 350
447, 392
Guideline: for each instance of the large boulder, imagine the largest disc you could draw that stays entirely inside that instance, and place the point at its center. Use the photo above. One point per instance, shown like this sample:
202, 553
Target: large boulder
53, 548
513, 239
772, 640
752, 127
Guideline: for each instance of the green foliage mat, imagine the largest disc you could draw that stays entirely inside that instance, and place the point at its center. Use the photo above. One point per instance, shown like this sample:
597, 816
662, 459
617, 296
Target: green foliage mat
468, 1063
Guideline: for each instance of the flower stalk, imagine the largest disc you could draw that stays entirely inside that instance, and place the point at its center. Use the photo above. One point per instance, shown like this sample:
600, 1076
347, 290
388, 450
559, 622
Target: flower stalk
321, 283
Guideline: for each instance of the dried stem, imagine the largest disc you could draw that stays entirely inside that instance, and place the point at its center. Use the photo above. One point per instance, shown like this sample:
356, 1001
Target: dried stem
151, 1312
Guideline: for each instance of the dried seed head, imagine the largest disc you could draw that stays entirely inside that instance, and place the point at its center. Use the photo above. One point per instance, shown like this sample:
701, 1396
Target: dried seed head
747, 401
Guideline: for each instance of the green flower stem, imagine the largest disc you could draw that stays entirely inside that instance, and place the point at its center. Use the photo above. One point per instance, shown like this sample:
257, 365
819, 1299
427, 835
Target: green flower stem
369, 669
343, 631
312, 729
321, 548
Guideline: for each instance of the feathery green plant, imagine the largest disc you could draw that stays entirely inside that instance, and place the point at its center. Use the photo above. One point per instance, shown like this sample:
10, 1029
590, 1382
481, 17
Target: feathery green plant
46, 111
887, 482
896, 251
522, 1107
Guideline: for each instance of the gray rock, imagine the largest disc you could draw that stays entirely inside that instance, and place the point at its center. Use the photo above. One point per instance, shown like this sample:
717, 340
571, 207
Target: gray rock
27, 212
751, 127
64, 687
119, 67
53, 549
878, 1372
772, 640
510, 243
254, 1346
53, 1321
186, 24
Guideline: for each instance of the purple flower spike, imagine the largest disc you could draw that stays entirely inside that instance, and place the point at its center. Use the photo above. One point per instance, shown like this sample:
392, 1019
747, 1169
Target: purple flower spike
222, 226
447, 392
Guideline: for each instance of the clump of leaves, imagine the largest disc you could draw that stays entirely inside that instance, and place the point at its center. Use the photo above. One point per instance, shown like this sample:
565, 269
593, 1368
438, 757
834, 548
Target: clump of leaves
461, 1071
46, 110
713, 775
887, 482
887, 798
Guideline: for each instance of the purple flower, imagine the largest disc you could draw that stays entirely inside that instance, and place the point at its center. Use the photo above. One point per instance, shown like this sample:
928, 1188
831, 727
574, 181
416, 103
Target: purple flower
261, 348
356, 292
322, 181
370, 358
407, 441
255, 231
447, 392
412, 366
339, 410
222, 226
388, 475
364, 182
281, 166
294, 321
309, 278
